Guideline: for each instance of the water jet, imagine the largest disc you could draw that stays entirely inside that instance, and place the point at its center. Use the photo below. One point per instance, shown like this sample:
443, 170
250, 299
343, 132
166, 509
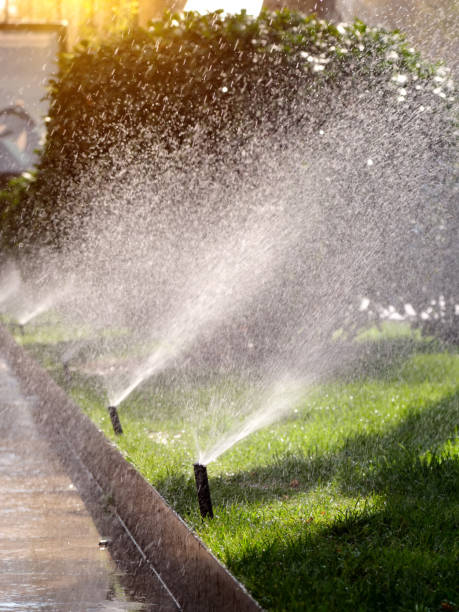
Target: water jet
113, 412
202, 487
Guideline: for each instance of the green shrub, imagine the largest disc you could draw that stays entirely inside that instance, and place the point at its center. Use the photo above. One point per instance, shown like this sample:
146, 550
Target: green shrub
12, 198
187, 71
224, 78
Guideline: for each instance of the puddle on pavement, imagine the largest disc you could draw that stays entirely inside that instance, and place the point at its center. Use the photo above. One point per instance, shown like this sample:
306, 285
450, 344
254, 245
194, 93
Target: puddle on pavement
50, 557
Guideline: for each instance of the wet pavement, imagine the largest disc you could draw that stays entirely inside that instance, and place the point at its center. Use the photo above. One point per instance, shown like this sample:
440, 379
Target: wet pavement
50, 558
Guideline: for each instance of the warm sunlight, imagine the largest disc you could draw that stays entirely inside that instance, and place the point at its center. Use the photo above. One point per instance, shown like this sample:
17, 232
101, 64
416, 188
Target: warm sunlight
12, 8
252, 7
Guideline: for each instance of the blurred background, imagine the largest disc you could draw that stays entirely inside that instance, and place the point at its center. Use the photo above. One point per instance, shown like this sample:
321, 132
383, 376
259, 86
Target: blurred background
431, 24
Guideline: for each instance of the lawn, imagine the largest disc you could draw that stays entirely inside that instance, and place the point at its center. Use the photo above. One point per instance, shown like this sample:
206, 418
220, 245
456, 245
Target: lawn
349, 503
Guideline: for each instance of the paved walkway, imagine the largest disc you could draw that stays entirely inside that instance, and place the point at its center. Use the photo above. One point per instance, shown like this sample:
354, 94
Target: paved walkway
50, 557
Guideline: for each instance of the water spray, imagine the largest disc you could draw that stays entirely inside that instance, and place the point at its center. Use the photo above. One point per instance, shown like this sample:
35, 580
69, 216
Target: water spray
113, 412
202, 487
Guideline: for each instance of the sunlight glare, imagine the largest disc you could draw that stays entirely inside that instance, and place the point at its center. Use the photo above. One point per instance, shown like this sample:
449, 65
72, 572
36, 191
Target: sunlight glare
12, 9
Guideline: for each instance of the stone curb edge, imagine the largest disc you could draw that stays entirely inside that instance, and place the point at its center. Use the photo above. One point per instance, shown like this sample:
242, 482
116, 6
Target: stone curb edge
196, 579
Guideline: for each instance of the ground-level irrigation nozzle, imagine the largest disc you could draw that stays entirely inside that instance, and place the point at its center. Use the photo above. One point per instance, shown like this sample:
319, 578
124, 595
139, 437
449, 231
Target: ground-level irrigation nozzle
67, 375
202, 486
115, 419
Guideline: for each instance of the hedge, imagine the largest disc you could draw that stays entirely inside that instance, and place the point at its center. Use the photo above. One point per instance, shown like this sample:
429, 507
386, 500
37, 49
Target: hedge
224, 78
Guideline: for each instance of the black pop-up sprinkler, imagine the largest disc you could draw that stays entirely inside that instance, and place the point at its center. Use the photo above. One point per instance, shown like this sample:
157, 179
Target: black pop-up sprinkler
65, 367
115, 419
202, 486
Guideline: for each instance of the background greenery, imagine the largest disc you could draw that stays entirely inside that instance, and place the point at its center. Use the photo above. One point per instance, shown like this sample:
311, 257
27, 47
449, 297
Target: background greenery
352, 503
221, 74
225, 78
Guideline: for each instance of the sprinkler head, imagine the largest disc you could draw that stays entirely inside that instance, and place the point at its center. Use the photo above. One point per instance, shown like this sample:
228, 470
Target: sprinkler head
202, 487
65, 367
112, 411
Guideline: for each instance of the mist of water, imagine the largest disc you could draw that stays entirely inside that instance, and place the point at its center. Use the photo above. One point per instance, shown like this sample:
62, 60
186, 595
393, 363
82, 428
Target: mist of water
250, 259
10, 281
431, 27
272, 405
33, 306
226, 278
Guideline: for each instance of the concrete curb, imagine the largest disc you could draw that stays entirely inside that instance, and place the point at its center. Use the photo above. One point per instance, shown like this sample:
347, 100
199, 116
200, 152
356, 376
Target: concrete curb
195, 578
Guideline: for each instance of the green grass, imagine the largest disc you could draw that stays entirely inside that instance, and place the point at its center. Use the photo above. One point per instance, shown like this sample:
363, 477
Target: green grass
350, 503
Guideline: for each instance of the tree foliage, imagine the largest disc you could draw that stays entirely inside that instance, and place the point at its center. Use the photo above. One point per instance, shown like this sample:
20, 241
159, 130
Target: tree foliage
221, 76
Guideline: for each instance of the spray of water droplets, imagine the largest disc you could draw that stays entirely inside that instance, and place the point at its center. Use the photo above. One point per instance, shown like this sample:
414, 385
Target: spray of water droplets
244, 265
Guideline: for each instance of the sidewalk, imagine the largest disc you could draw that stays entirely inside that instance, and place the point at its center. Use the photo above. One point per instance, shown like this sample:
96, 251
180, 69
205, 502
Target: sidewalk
50, 557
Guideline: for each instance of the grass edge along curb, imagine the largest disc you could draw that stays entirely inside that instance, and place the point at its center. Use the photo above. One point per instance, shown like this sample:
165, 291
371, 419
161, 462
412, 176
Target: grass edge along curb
193, 575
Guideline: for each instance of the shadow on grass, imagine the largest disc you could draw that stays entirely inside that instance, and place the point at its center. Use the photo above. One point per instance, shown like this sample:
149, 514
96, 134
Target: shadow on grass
398, 555
387, 464
364, 463
401, 556
48, 355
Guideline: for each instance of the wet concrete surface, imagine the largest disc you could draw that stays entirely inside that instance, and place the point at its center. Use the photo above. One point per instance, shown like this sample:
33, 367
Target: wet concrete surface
50, 558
